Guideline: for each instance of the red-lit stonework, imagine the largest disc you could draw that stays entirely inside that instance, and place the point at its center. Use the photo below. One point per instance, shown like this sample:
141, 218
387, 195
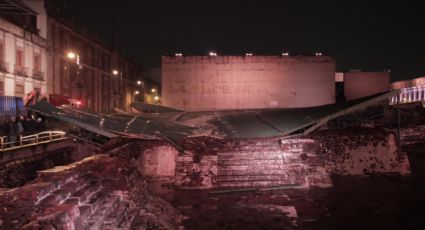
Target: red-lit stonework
112, 192
100, 192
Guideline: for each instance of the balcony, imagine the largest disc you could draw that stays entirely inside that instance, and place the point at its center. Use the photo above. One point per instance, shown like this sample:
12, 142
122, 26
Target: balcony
20, 70
4, 66
38, 75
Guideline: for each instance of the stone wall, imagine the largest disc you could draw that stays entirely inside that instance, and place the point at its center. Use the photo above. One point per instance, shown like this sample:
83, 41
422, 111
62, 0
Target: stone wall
302, 162
412, 135
361, 151
196, 171
20, 166
159, 161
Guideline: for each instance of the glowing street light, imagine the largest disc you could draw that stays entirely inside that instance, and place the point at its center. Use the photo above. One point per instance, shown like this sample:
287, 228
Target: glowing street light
248, 54
213, 54
71, 55
139, 82
318, 54
137, 92
115, 72
178, 54
156, 98
153, 90
285, 54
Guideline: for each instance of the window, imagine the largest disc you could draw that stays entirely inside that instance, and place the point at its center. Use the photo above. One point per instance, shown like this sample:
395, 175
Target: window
1, 88
19, 90
19, 57
1, 51
37, 62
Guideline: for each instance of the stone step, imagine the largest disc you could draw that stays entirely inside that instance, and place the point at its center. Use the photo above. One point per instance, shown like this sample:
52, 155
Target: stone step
250, 157
85, 192
272, 177
230, 184
85, 211
250, 162
128, 218
103, 204
50, 200
263, 171
97, 200
254, 153
36, 192
253, 167
115, 218
252, 142
251, 147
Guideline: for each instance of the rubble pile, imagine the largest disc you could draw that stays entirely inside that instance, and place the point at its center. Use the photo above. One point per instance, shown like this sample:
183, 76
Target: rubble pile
100, 192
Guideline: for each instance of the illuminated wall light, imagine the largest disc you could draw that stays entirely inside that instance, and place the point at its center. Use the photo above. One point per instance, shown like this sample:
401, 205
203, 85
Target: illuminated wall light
115, 72
136, 92
285, 54
178, 54
153, 90
248, 54
156, 98
139, 82
213, 54
319, 54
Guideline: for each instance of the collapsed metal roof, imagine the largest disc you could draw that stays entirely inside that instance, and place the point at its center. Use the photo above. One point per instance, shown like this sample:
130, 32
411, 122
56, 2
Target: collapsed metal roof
177, 125
143, 107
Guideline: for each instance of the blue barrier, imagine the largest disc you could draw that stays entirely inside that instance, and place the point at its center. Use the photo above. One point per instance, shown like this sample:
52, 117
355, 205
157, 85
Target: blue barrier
11, 106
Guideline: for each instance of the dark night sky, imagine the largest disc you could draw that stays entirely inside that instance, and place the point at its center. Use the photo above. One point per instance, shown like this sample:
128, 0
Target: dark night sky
366, 35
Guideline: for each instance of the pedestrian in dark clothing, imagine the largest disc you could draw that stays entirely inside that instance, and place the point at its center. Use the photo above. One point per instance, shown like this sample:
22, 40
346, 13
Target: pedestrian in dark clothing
13, 131
19, 128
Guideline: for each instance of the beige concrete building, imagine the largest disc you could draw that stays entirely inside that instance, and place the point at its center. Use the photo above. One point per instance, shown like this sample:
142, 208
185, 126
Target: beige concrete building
358, 84
196, 83
23, 61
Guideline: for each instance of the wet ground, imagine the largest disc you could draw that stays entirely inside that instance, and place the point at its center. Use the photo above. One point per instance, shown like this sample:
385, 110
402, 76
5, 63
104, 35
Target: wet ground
369, 202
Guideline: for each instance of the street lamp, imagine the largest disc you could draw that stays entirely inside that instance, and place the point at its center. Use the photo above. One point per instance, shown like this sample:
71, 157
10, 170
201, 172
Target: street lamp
137, 92
115, 72
153, 90
71, 55
139, 82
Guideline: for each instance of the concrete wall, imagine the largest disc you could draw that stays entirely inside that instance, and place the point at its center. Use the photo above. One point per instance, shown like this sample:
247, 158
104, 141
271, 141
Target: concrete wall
240, 82
362, 84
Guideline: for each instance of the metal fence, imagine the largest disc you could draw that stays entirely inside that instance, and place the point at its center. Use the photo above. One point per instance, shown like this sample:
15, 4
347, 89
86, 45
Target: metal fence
11, 106
17, 142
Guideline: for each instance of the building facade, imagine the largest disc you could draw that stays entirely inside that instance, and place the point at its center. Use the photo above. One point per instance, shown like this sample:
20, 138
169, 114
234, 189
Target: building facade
194, 83
23, 61
358, 84
411, 91
85, 70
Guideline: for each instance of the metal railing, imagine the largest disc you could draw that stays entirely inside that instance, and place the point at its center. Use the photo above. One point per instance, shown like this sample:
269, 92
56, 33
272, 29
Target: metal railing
20, 70
38, 75
9, 143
